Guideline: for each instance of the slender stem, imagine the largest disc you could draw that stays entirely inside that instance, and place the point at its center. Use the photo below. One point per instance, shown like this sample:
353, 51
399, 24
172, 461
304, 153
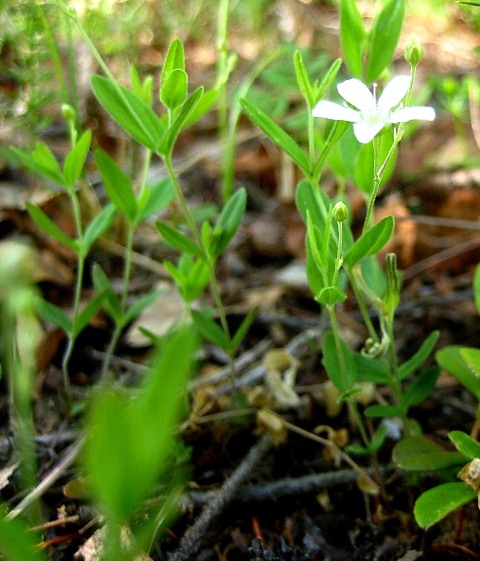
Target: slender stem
209, 261
311, 138
181, 199
351, 403
77, 296
222, 69
53, 49
362, 305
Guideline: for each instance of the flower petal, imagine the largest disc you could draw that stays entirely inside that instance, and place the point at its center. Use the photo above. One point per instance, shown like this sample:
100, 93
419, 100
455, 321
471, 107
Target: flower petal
335, 111
394, 92
364, 132
357, 93
406, 114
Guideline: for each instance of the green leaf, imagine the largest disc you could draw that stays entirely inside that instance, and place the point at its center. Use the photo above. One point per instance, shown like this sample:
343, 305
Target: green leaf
144, 90
130, 441
303, 81
352, 37
419, 453
174, 89
311, 200
276, 135
371, 370
333, 363
98, 226
371, 241
210, 329
181, 116
155, 198
75, 161
465, 444
242, 330
130, 111
378, 439
472, 358
54, 315
41, 161
197, 277
414, 362
421, 388
49, 227
387, 411
328, 78
17, 541
112, 302
175, 60
177, 240
117, 185
205, 103
383, 38
142, 304
330, 295
228, 222
453, 360
476, 288
436, 503
87, 313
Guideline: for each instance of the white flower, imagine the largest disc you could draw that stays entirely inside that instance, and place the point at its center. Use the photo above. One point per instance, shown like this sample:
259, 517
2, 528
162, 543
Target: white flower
372, 115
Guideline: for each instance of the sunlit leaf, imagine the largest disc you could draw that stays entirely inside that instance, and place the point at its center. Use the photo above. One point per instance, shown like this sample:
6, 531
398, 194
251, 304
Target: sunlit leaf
436, 503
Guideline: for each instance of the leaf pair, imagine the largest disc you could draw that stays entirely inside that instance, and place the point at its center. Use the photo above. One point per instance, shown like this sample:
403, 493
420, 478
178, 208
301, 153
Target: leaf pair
131, 438
367, 54
120, 191
212, 331
214, 241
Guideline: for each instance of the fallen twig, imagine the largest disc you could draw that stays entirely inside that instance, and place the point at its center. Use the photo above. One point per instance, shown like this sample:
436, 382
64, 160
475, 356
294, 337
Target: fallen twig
191, 540
271, 491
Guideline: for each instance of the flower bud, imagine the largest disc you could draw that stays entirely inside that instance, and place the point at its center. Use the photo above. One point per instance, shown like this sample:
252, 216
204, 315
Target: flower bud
414, 51
394, 282
68, 113
340, 211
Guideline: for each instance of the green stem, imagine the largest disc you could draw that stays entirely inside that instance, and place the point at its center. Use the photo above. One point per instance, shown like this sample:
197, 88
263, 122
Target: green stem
208, 259
351, 403
54, 54
77, 296
222, 69
362, 305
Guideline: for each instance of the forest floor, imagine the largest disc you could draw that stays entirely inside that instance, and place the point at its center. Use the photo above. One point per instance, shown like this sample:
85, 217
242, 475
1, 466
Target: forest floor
247, 498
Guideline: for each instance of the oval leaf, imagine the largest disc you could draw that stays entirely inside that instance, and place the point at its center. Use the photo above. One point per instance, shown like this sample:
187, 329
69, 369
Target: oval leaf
465, 444
130, 111
419, 357
352, 37
75, 161
49, 227
452, 360
179, 241
436, 503
371, 241
117, 185
174, 89
419, 453
384, 37
276, 134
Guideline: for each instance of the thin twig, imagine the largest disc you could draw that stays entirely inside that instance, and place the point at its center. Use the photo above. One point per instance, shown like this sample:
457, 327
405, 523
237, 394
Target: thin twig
273, 490
191, 540
67, 460
54, 439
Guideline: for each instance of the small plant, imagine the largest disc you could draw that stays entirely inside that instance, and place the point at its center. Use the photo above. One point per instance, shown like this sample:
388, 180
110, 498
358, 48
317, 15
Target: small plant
334, 257
421, 454
43, 162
